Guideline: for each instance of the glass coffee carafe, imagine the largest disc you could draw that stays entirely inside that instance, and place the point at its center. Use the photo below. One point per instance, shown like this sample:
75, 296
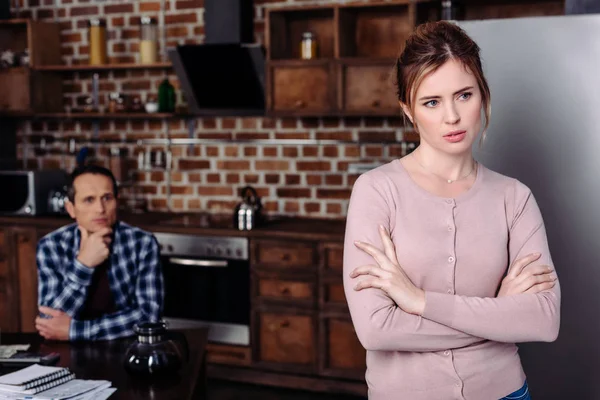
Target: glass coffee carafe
156, 351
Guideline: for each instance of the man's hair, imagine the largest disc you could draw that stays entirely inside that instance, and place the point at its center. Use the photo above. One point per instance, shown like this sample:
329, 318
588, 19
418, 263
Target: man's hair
90, 169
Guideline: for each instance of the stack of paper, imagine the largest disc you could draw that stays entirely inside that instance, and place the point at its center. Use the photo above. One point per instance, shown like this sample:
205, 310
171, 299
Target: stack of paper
39, 382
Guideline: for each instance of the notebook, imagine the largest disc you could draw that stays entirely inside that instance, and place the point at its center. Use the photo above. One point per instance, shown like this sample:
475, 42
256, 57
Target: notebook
34, 379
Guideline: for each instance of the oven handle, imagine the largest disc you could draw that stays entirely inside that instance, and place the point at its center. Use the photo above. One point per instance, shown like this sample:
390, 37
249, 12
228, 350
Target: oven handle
199, 263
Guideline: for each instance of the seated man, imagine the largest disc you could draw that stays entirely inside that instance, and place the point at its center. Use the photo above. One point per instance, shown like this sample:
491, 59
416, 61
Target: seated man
97, 277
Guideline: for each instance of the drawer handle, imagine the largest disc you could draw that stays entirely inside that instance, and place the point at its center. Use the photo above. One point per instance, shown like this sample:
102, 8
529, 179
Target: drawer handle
300, 104
285, 291
285, 257
284, 324
376, 103
276, 327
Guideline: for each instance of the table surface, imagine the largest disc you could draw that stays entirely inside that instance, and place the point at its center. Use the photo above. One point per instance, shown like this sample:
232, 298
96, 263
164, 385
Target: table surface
104, 360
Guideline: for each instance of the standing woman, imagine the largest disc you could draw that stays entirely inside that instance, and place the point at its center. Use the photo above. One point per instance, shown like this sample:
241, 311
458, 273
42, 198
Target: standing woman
446, 263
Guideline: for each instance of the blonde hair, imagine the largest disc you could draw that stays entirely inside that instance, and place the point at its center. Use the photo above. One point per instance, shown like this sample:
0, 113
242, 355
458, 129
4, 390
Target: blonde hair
429, 47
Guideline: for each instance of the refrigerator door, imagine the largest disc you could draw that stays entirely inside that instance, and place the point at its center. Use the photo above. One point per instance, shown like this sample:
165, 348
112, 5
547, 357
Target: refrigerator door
544, 75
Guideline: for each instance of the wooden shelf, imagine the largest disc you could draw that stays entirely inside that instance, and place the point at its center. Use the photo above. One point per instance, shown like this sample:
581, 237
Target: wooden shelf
300, 63
124, 115
106, 67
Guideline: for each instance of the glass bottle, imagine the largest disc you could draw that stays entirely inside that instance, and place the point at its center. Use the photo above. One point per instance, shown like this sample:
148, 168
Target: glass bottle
308, 46
166, 97
148, 40
97, 40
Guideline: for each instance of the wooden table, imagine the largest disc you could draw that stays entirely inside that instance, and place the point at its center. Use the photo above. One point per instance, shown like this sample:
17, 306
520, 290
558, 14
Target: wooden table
104, 360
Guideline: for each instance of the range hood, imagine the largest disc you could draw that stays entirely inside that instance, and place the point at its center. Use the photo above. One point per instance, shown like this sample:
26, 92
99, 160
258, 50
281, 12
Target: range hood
226, 74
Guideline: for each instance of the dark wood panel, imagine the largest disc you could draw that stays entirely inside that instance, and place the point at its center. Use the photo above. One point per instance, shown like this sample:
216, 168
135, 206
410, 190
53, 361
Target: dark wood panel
369, 88
230, 355
343, 355
28, 281
302, 89
9, 286
284, 254
287, 339
285, 289
15, 84
334, 256
513, 10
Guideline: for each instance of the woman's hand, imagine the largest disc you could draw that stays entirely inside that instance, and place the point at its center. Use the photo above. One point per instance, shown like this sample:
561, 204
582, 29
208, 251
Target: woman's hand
522, 278
389, 276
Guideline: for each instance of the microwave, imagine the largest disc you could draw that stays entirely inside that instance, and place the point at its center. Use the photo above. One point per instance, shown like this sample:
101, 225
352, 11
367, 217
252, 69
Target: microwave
29, 192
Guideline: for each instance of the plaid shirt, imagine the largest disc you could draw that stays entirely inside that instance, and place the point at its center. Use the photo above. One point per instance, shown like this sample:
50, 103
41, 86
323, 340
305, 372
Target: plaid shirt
135, 278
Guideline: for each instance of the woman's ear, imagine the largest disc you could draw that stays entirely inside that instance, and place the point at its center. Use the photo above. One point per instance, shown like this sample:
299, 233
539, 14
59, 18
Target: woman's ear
407, 112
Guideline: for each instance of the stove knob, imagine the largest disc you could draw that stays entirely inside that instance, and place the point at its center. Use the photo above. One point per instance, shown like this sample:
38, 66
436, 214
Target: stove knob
170, 248
238, 252
160, 247
228, 251
219, 251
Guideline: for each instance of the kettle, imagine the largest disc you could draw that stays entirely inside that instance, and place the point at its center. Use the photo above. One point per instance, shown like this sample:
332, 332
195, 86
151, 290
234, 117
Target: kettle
247, 213
156, 352
56, 201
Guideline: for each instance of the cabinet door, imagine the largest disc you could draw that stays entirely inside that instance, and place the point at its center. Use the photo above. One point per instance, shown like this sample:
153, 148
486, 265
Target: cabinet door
302, 88
26, 240
284, 290
343, 355
284, 255
16, 90
9, 290
369, 89
286, 341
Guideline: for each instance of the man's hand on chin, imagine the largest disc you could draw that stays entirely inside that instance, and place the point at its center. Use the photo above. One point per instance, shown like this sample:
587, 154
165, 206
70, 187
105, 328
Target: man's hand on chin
54, 328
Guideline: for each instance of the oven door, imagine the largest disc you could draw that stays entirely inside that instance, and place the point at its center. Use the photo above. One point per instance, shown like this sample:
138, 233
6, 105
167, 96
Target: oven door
211, 292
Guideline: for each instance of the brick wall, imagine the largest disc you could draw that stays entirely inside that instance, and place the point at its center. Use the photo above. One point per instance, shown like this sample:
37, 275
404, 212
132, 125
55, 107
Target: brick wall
292, 180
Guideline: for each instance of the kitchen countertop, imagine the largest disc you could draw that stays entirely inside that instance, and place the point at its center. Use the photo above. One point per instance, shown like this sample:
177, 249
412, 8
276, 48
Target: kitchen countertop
204, 224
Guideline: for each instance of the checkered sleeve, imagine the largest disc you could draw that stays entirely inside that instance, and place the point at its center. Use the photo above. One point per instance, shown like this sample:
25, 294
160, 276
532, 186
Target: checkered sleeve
149, 293
60, 287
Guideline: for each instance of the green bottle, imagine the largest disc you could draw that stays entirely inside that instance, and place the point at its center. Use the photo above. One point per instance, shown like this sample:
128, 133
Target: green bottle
166, 97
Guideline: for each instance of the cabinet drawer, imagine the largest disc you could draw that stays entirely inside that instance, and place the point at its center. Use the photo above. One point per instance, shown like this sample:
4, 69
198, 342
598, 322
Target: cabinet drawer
344, 355
334, 256
231, 355
285, 289
284, 254
287, 339
334, 294
369, 88
302, 88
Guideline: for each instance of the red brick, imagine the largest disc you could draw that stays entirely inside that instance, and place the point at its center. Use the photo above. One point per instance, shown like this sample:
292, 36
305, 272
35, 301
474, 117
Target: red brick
410, 137
177, 31
352, 151
250, 151
130, 34
181, 18
334, 208
377, 136
271, 179
88, 10
194, 204
272, 165
292, 179
213, 178
212, 151
292, 206
352, 122
250, 178
228, 123
249, 123
208, 123
199, 30
312, 207
117, 21
237, 165
118, 8
310, 151
177, 204
70, 37
310, 122
293, 135
221, 206
334, 180
330, 151
271, 206
251, 135
182, 190
313, 180
331, 122
233, 178
290, 152
333, 193
398, 122
269, 151
119, 47
176, 177
269, 123
148, 189
293, 192
289, 123
154, 6
189, 4
372, 151
374, 122
342, 135
215, 191
194, 177
158, 204
193, 164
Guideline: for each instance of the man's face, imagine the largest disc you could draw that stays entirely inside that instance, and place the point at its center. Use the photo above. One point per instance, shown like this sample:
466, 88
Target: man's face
95, 205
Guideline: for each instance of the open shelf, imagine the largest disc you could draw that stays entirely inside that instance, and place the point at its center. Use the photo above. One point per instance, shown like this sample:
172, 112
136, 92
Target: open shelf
105, 67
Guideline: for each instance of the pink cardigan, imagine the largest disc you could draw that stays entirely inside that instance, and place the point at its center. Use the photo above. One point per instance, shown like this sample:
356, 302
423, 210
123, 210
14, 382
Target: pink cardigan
457, 250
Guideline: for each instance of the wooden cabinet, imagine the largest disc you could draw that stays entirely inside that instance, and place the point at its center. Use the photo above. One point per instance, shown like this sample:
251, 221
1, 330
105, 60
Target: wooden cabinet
18, 279
378, 97
286, 255
28, 90
343, 355
492, 9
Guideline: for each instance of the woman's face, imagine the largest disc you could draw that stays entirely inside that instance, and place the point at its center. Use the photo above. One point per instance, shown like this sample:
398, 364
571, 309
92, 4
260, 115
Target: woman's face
447, 109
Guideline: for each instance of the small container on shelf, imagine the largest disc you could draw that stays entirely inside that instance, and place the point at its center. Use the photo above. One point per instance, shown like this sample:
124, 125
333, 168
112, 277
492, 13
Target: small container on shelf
166, 97
97, 40
148, 40
308, 46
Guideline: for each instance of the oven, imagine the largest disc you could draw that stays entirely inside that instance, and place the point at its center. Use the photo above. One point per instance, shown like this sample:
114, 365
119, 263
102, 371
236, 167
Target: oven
207, 284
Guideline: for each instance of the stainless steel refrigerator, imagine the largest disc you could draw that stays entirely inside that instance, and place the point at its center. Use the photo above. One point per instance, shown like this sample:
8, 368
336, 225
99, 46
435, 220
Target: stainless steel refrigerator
544, 75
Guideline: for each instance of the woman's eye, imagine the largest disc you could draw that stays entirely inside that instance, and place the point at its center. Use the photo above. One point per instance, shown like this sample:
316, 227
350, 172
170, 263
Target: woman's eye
466, 96
431, 103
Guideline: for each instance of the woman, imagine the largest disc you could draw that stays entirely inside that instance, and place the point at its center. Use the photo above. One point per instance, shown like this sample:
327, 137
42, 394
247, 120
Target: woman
430, 238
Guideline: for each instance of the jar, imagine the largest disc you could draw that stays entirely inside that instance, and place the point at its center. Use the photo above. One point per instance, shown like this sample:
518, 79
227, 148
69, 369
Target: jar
97, 40
308, 46
166, 97
148, 40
